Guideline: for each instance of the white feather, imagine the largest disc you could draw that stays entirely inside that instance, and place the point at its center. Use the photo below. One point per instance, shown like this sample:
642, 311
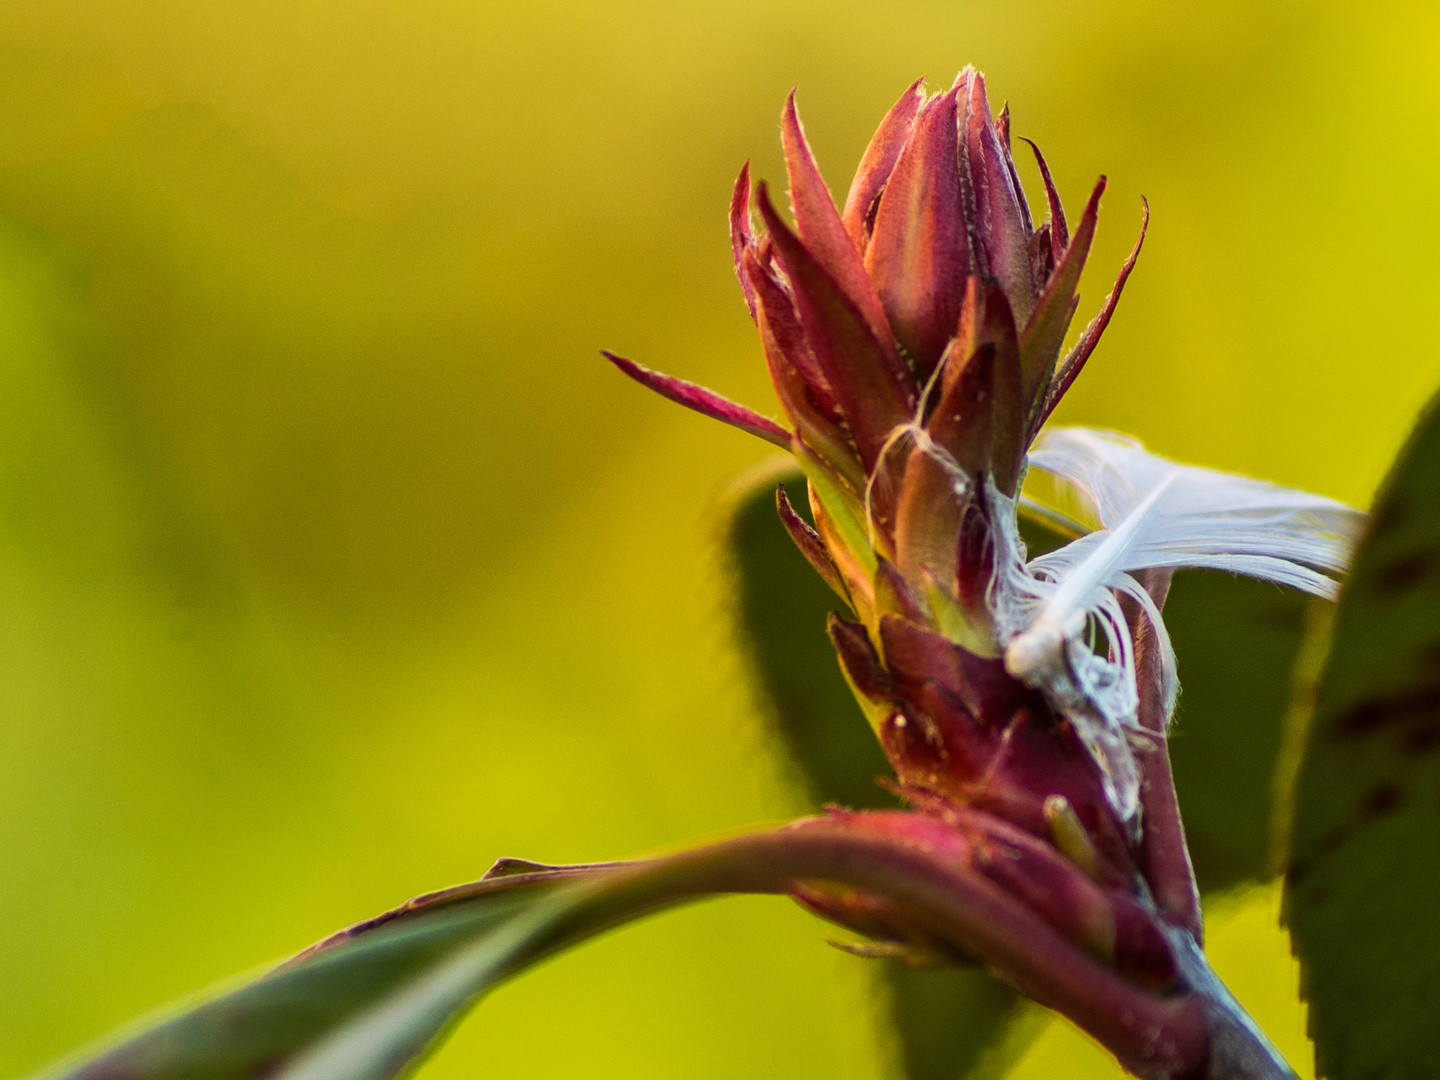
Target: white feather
1059, 615
1203, 514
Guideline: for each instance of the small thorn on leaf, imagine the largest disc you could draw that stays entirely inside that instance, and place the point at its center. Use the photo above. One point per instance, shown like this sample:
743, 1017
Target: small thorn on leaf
505, 867
912, 956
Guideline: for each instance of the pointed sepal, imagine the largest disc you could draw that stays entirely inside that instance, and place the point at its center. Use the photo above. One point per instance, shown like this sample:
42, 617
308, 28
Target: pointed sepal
944, 468
801, 387
1068, 369
1059, 227
1002, 238
963, 420
878, 162
1045, 332
1008, 418
820, 227
810, 544
703, 401
919, 253
862, 668
742, 234
874, 391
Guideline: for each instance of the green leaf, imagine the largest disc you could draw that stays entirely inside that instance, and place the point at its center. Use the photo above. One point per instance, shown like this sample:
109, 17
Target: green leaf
371, 1002
780, 607
1236, 640
394, 982
1362, 877
957, 1022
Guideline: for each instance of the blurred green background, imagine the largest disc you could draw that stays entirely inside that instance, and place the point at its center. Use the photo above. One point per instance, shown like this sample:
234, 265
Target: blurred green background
334, 563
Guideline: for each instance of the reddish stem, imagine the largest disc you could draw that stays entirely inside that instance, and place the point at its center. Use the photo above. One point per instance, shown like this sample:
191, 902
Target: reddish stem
1195, 1033
1164, 855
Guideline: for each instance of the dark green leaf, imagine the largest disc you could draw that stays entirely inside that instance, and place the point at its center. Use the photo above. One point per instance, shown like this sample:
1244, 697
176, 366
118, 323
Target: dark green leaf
1363, 879
372, 1001
781, 604
1236, 640
957, 1022
267, 1026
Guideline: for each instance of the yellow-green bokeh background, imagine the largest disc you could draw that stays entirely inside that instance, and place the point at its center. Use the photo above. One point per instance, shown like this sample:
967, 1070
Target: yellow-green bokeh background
334, 563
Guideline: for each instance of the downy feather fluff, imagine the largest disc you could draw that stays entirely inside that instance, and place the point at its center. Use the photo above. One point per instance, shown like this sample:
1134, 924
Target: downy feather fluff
1060, 617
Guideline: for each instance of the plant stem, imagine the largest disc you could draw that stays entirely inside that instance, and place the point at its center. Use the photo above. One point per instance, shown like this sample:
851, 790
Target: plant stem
1239, 1050
1197, 1031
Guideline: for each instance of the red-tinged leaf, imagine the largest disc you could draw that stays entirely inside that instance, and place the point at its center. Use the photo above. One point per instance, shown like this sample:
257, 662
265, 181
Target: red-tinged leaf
934, 494
919, 253
1008, 441
810, 544
1002, 241
893, 592
928, 513
703, 401
915, 655
962, 422
1069, 369
1059, 228
779, 307
874, 392
1045, 332
1002, 132
819, 225
857, 658
880, 157
742, 233
798, 382
1042, 254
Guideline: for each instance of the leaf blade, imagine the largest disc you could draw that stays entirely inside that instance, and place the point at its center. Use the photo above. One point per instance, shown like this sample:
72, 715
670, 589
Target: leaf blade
1361, 887
253, 1029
